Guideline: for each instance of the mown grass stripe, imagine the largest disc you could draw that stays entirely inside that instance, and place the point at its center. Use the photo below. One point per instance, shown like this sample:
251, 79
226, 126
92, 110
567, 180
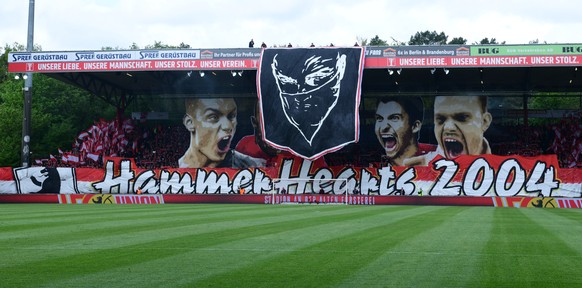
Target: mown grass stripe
110, 220
440, 256
574, 215
224, 257
79, 238
90, 261
523, 253
333, 259
565, 224
74, 213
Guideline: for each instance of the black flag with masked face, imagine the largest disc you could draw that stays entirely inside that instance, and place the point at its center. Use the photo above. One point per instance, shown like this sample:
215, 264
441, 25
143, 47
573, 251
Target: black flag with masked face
309, 98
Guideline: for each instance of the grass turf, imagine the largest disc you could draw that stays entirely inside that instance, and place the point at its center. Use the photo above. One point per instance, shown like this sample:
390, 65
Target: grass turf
209, 245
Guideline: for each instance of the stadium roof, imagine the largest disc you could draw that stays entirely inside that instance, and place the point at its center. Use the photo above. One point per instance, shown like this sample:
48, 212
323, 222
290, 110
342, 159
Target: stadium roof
421, 70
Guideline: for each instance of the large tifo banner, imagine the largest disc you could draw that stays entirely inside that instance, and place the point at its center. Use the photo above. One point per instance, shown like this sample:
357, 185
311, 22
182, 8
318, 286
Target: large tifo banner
310, 97
485, 175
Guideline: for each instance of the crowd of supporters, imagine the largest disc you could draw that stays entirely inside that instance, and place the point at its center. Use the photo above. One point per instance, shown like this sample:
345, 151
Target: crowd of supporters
165, 147
567, 142
563, 138
151, 147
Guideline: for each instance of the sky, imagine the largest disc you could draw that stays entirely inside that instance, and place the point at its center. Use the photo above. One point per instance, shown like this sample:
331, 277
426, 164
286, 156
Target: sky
72, 25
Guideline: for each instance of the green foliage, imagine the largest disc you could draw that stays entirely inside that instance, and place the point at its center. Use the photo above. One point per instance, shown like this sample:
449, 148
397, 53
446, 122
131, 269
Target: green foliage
161, 45
61, 111
376, 41
15, 47
555, 101
11, 103
428, 38
486, 41
4, 59
184, 45
156, 45
458, 41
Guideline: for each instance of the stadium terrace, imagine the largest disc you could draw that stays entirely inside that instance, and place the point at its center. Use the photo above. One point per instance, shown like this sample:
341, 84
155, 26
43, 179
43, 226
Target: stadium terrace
327, 112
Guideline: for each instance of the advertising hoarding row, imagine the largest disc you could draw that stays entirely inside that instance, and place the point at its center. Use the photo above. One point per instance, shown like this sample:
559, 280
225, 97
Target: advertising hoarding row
451, 56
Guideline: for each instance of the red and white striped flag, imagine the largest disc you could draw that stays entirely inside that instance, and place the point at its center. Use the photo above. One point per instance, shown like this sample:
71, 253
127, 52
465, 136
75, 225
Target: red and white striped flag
73, 158
93, 156
99, 147
83, 135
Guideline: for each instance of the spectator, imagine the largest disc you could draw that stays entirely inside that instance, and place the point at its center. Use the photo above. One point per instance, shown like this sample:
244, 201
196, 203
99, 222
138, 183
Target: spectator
251, 43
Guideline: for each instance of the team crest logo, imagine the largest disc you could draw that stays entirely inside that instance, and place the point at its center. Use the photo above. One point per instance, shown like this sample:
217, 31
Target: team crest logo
44, 180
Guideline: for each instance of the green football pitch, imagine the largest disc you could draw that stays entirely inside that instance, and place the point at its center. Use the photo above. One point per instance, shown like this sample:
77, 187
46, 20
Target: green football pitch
220, 245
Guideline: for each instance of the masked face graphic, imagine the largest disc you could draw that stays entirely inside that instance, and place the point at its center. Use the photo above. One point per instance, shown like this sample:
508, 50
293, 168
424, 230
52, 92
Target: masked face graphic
309, 94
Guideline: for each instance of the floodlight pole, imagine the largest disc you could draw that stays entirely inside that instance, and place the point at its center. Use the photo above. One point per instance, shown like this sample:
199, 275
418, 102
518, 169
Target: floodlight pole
27, 91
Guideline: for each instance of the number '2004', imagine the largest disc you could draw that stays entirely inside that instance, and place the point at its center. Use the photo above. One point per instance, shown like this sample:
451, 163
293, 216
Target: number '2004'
480, 177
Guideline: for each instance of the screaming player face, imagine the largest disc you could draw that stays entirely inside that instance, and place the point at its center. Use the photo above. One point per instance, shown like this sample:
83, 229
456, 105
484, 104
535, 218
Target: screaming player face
459, 124
393, 128
213, 123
